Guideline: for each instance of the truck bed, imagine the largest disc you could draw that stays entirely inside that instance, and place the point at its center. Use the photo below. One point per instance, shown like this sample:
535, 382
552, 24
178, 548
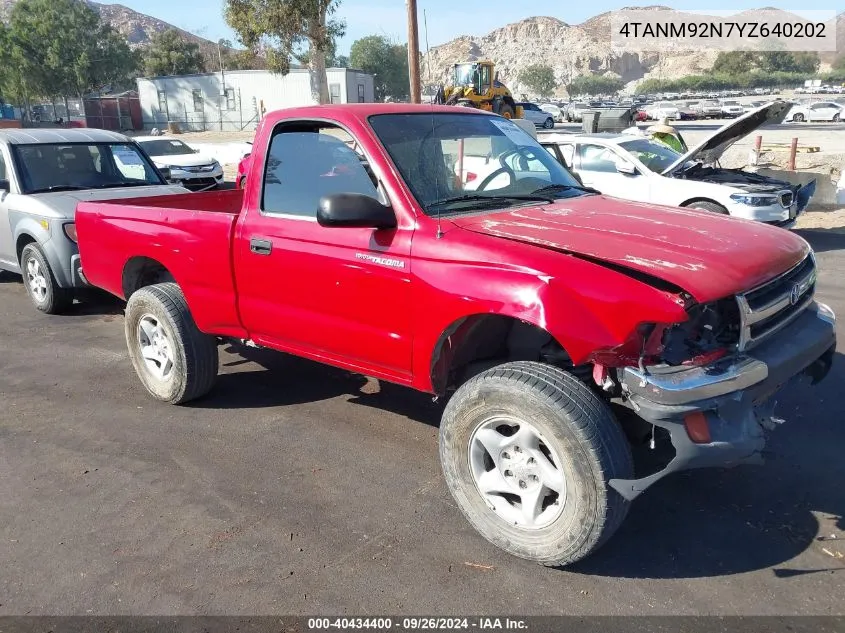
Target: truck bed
189, 235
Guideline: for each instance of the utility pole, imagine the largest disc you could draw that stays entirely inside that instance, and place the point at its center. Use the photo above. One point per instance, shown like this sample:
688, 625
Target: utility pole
413, 52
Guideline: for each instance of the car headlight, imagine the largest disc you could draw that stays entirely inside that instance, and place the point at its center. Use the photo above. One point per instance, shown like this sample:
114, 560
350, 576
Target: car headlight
754, 200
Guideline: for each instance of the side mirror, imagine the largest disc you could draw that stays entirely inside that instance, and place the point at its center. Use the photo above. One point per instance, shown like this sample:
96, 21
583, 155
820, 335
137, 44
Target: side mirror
624, 167
5, 185
354, 210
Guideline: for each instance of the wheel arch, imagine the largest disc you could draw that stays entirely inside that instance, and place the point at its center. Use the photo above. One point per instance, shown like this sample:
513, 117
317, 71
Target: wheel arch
21, 243
695, 199
475, 342
142, 271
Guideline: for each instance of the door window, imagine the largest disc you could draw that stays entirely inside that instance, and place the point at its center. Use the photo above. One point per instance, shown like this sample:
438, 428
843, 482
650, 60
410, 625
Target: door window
2, 167
597, 158
567, 152
485, 79
303, 165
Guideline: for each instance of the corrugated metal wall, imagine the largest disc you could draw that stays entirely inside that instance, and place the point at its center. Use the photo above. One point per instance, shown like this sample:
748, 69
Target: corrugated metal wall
198, 102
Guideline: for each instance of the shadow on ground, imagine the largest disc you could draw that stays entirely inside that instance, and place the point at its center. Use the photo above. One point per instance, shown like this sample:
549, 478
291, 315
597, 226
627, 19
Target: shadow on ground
823, 240
697, 524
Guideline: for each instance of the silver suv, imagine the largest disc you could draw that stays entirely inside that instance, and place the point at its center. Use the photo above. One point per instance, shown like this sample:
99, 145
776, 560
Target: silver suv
44, 174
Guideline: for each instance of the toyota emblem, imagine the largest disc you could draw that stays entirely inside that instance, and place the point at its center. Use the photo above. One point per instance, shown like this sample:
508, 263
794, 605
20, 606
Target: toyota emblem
794, 295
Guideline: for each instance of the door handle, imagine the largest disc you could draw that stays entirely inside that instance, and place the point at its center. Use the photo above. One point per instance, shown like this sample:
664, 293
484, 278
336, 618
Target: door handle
260, 247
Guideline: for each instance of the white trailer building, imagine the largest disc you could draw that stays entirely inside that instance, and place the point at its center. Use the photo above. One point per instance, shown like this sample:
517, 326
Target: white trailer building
236, 100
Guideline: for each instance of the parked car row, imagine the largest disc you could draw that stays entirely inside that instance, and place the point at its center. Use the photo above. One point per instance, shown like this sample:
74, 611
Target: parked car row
374, 224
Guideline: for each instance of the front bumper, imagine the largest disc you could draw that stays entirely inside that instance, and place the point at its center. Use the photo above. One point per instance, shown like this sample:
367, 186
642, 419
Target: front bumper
735, 396
776, 214
197, 181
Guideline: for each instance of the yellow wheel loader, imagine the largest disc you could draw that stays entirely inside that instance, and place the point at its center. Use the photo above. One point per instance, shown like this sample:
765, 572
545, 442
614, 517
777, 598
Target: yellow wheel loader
477, 85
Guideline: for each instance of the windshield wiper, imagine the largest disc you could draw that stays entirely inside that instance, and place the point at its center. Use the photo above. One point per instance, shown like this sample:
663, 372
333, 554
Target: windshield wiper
59, 188
557, 188
487, 200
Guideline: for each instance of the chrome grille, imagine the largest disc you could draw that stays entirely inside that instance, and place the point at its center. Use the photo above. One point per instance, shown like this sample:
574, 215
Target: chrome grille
786, 199
198, 169
770, 307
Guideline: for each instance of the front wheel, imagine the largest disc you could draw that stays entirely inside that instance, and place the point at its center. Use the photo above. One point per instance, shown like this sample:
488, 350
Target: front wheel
41, 284
527, 452
837, 118
549, 123
798, 118
705, 205
174, 360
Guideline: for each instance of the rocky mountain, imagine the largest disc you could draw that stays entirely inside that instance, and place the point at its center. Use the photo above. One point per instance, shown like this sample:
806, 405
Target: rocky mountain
138, 28
571, 50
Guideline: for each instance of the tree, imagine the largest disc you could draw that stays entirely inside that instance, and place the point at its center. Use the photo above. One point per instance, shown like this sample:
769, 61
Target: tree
61, 47
595, 85
300, 31
839, 64
539, 78
807, 63
388, 62
734, 62
237, 59
171, 54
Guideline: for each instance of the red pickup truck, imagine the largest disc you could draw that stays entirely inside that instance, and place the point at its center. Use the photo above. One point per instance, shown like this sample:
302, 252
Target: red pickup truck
563, 326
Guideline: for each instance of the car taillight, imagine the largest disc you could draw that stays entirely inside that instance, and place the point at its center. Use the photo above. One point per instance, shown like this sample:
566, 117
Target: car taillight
470, 176
70, 231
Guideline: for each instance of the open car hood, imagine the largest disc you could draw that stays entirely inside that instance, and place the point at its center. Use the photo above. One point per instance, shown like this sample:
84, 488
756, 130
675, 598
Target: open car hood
712, 148
711, 256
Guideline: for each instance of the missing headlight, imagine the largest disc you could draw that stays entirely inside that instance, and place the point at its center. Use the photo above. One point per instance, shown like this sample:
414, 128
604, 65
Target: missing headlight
711, 328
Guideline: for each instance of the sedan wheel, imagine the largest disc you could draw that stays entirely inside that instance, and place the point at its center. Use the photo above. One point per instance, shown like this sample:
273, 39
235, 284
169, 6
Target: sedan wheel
798, 118
837, 118
549, 123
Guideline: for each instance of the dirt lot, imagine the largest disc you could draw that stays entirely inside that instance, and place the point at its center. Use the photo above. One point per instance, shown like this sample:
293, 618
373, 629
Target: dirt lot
298, 489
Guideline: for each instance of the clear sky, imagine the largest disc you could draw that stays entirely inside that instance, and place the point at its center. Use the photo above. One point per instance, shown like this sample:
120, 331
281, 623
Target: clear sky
446, 18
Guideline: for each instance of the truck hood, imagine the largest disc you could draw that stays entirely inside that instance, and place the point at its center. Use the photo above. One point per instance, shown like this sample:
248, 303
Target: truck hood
710, 256
62, 204
712, 148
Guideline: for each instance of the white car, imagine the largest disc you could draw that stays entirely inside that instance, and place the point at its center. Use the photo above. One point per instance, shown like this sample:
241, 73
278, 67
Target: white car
819, 111
663, 110
554, 110
182, 165
634, 167
538, 117
732, 109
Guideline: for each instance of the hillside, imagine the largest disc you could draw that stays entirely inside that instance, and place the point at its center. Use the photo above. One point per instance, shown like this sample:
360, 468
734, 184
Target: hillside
138, 28
571, 50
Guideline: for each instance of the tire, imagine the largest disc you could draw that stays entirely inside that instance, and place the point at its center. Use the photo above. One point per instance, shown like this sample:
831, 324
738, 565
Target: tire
157, 317
837, 118
549, 123
506, 111
705, 205
40, 282
242, 183
579, 431
798, 118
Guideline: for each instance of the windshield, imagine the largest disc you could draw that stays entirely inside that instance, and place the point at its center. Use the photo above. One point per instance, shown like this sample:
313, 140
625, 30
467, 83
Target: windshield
465, 74
655, 156
165, 147
66, 166
455, 162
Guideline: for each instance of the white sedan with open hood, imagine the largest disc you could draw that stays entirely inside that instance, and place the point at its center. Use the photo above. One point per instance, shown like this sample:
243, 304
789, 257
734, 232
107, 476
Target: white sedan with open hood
637, 168
181, 164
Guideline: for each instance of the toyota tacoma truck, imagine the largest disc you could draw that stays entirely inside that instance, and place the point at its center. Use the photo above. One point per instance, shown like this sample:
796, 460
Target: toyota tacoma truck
561, 327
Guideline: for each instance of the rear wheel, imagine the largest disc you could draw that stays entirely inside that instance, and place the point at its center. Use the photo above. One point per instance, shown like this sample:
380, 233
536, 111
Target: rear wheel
41, 284
798, 118
705, 205
174, 360
549, 123
527, 451
837, 118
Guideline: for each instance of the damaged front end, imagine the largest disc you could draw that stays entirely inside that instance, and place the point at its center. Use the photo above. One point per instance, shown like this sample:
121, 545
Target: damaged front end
767, 199
710, 382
